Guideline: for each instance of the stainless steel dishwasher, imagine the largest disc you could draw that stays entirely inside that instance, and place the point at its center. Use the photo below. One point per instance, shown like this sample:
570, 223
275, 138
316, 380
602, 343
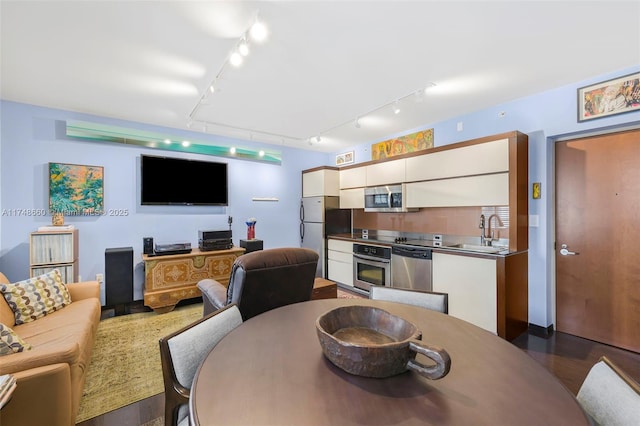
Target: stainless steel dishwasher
411, 267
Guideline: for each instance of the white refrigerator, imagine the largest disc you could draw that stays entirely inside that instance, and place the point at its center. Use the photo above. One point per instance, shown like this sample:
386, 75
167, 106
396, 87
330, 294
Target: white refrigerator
319, 217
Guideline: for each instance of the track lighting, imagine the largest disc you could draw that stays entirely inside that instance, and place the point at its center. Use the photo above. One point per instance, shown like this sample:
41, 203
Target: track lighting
396, 108
258, 31
235, 59
356, 123
318, 139
243, 47
429, 86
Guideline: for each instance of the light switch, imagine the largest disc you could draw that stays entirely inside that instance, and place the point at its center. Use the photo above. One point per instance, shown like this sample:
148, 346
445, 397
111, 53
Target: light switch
534, 220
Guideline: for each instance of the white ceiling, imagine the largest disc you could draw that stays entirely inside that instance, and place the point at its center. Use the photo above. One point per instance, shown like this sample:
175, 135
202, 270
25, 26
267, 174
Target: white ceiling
324, 63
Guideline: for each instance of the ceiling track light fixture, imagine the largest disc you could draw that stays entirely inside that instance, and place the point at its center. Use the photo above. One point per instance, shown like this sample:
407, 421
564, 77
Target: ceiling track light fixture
395, 107
257, 32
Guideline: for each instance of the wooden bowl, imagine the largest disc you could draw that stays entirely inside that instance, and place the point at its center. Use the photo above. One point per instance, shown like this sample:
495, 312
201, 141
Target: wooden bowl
371, 342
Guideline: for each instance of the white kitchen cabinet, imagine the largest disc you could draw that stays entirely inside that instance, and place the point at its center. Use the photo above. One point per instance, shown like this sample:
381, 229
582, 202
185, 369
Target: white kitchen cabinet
321, 182
353, 177
386, 173
352, 198
471, 283
489, 157
340, 261
484, 190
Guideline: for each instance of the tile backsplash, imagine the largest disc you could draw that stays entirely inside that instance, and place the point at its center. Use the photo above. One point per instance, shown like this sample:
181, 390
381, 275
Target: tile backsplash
462, 221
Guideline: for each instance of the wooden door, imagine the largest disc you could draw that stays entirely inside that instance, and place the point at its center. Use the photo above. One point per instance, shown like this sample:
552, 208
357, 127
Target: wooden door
598, 218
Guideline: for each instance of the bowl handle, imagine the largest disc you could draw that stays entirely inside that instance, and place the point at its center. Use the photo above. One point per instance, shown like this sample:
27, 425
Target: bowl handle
439, 355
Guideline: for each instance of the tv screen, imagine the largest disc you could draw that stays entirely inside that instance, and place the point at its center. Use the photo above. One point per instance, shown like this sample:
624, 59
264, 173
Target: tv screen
177, 181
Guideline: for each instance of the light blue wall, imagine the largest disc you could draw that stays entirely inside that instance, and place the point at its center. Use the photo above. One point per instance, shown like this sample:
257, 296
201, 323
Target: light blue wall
30, 141
544, 117
28, 144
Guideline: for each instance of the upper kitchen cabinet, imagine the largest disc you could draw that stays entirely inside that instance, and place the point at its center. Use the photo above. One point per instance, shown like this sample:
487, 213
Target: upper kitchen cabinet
386, 172
321, 181
352, 198
488, 157
483, 190
353, 177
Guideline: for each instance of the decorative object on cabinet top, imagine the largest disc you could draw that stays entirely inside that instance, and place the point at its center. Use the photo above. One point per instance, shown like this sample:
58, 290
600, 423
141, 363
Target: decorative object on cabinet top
418, 141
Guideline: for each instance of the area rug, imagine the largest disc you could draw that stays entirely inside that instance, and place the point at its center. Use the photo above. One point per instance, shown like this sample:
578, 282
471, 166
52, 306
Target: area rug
125, 364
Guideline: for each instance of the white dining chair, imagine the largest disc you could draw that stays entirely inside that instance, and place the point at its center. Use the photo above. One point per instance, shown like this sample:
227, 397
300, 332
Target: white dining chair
610, 396
426, 299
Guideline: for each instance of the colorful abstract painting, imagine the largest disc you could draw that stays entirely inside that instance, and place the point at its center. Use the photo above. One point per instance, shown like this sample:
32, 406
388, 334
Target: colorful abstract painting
609, 98
402, 145
76, 189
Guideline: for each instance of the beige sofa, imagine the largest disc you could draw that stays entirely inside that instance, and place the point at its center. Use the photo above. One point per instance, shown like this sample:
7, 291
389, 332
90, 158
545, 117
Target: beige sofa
51, 375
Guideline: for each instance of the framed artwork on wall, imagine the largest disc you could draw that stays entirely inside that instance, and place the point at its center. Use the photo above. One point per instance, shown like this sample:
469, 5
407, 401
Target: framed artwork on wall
76, 189
346, 158
413, 142
610, 97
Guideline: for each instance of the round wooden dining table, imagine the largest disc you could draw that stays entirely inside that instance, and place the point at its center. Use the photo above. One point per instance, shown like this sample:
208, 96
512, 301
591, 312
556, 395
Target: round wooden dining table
271, 371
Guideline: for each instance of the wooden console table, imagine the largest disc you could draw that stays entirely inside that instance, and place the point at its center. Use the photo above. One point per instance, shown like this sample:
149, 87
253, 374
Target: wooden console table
172, 278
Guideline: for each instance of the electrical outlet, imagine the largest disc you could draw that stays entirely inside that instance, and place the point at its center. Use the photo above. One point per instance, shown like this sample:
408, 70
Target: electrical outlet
99, 277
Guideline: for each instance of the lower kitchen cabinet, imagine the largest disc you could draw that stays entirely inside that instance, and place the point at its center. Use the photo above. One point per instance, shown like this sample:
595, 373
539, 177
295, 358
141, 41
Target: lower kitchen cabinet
340, 261
491, 293
471, 285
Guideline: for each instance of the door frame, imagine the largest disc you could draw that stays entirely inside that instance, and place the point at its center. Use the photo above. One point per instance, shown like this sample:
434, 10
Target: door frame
552, 190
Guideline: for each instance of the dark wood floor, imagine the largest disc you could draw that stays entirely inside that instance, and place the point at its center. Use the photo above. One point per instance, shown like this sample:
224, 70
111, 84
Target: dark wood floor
568, 357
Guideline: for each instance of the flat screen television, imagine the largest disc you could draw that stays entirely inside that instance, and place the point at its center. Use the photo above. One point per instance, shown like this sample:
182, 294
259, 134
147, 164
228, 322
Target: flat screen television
179, 181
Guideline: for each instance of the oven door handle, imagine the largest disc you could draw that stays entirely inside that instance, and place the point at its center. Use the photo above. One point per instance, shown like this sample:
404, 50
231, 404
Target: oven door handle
371, 258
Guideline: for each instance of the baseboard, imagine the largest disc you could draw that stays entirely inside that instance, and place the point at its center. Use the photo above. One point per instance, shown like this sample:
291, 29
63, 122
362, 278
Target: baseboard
538, 330
352, 290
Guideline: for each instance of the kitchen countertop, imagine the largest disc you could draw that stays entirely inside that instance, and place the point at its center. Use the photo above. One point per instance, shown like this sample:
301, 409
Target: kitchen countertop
390, 241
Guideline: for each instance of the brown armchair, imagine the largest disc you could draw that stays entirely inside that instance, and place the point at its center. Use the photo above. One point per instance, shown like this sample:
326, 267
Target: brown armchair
263, 280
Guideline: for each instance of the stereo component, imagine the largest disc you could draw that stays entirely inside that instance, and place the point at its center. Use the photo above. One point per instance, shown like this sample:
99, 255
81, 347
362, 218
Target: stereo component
171, 248
118, 271
214, 235
147, 245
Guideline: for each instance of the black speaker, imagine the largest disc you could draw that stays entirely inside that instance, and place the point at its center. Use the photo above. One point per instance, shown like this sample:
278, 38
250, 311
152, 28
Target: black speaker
147, 245
118, 270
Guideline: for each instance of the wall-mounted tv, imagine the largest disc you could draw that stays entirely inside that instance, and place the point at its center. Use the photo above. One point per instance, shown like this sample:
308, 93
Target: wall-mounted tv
179, 181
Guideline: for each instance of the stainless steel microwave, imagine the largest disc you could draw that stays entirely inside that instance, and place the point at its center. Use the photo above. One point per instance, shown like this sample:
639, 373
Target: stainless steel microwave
389, 198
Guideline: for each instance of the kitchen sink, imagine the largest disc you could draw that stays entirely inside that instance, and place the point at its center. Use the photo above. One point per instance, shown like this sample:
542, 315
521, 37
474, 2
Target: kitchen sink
473, 247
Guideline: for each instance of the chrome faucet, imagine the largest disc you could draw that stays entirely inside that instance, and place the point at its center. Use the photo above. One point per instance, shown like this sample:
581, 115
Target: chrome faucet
482, 237
491, 237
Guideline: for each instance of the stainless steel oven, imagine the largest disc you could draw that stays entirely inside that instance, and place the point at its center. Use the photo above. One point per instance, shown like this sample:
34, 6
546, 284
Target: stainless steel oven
371, 265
